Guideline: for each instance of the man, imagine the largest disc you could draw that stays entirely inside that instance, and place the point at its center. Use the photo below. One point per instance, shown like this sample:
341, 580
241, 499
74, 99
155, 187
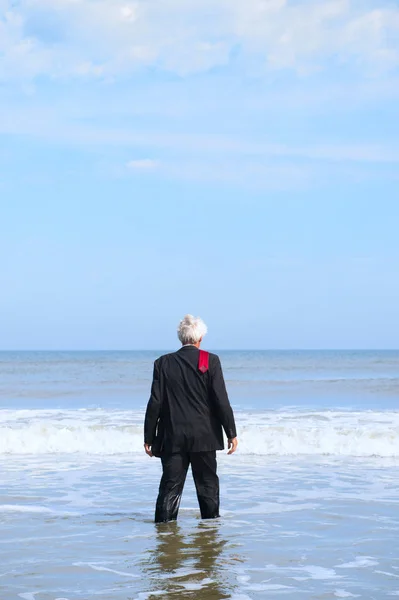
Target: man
183, 424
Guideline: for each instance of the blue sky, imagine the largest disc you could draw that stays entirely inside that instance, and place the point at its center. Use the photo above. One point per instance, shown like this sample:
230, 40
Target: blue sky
234, 160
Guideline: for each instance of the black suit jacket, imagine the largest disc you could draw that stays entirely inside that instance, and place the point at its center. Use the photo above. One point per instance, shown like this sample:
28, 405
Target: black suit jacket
187, 409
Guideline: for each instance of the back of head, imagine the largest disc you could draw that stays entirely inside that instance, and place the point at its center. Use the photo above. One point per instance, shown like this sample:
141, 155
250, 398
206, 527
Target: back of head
191, 330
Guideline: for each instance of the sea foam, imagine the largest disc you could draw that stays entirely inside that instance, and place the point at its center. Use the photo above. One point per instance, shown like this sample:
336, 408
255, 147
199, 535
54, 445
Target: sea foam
281, 433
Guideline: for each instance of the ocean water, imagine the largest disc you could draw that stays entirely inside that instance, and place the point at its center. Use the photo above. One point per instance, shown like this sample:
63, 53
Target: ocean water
309, 503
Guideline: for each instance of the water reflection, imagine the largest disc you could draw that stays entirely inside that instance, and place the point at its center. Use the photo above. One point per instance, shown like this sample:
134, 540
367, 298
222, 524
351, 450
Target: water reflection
189, 564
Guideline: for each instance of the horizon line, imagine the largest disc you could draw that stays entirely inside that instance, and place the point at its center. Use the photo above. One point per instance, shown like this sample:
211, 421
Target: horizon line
379, 349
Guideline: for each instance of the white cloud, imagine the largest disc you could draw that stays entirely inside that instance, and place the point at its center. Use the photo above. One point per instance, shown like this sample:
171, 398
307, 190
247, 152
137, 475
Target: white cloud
142, 164
304, 34
111, 38
270, 131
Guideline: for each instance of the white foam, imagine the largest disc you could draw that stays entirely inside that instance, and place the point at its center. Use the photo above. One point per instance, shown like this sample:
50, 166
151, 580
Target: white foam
193, 586
267, 587
23, 508
317, 572
359, 562
345, 594
387, 573
268, 508
96, 567
281, 433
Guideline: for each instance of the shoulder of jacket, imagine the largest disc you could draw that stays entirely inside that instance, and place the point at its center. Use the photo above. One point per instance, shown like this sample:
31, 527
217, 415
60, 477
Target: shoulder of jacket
163, 357
213, 357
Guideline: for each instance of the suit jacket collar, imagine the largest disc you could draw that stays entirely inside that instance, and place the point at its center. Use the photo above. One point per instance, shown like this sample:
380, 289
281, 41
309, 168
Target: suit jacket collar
188, 347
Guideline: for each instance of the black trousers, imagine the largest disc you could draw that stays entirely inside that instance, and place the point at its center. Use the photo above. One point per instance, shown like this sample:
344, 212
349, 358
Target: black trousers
175, 467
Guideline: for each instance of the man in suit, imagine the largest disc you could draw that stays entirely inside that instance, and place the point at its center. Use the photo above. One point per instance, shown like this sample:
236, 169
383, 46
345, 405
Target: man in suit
186, 414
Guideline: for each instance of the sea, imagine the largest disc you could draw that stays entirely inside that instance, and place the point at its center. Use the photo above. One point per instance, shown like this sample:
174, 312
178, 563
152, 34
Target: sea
309, 502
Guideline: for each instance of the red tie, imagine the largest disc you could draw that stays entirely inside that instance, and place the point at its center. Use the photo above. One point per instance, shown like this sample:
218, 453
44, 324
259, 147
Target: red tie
203, 361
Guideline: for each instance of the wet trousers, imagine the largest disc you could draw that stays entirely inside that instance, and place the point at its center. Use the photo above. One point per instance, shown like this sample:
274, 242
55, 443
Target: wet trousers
175, 467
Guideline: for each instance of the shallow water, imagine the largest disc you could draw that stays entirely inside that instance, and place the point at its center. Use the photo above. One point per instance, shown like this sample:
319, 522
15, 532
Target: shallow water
309, 503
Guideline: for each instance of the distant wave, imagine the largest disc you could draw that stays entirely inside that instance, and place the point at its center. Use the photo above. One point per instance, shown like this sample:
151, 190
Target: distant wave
282, 433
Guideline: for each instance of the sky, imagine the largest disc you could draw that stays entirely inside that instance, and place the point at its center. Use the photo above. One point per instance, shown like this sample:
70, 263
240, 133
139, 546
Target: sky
233, 160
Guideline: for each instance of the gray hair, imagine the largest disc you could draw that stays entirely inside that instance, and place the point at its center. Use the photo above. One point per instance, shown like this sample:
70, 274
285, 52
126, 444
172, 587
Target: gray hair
191, 330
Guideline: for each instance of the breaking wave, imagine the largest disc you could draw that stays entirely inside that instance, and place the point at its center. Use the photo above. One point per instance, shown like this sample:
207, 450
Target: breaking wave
281, 433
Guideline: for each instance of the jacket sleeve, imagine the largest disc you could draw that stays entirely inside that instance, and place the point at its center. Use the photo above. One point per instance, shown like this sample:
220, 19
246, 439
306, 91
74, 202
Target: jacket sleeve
221, 399
153, 408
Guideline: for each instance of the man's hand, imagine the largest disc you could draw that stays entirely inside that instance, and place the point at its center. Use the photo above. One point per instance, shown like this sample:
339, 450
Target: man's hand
147, 449
233, 443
